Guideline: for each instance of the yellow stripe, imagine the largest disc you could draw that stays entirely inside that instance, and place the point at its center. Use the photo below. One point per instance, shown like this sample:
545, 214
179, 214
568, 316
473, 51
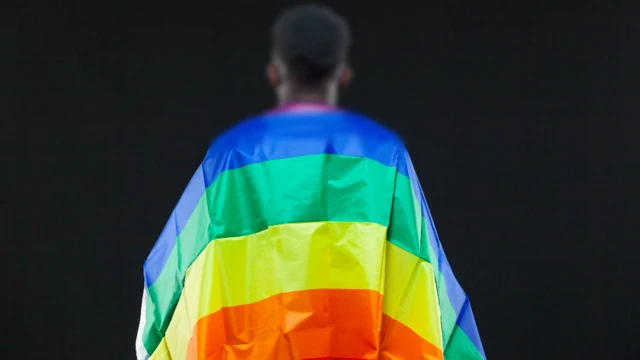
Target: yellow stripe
162, 351
294, 257
284, 258
410, 294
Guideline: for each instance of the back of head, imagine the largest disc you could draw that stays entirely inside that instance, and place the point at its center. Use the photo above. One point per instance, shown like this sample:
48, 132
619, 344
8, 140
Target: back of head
312, 42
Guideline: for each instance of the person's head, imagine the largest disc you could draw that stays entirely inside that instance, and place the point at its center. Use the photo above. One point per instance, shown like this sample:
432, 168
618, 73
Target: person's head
310, 54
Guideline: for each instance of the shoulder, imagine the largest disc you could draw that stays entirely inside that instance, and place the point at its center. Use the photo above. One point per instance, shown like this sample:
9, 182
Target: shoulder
366, 126
243, 131
346, 129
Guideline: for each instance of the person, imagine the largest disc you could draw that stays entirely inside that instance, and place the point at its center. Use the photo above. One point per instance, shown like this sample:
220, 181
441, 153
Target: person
304, 234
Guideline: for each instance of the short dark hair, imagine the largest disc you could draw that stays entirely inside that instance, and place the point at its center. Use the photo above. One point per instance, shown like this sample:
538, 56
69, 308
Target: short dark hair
313, 41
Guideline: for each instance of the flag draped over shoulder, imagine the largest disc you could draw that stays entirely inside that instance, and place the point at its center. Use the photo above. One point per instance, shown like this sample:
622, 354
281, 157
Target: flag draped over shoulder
304, 234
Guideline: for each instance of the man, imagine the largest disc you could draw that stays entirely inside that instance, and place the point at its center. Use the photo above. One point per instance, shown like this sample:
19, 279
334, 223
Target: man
304, 234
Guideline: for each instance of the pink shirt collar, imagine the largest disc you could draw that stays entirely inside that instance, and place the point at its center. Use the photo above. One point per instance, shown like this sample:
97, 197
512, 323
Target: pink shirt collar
303, 107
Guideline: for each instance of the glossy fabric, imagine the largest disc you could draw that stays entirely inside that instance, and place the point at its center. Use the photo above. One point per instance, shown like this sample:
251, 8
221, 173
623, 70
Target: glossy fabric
289, 213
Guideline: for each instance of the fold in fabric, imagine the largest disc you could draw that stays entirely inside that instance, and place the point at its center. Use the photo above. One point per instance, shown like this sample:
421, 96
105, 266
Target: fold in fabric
304, 234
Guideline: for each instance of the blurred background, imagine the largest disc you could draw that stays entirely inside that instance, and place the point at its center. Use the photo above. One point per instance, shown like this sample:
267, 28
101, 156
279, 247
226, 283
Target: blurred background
522, 121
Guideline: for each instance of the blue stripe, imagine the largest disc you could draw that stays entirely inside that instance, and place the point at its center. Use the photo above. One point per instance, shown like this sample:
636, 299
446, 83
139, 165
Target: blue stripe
177, 221
467, 323
304, 133
457, 296
268, 137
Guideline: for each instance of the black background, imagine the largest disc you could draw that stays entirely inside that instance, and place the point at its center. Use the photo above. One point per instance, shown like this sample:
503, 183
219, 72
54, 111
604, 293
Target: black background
522, 123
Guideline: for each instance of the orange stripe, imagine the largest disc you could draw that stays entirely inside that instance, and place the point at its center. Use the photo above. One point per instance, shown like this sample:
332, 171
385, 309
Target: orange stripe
399, 343
297, 325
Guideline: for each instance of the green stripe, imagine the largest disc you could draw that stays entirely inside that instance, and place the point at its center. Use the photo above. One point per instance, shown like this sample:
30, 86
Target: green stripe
408, 230
460, 347
302, 189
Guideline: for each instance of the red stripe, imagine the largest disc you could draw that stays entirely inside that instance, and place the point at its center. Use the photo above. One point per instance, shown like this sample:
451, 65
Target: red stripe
399, 342
333, 358
312, 324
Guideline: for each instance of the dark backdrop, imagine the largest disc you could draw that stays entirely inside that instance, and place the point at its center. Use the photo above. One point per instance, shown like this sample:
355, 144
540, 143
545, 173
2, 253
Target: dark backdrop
522, 122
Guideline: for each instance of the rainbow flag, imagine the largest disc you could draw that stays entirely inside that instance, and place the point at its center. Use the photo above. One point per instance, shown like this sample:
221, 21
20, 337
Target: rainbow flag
304, 234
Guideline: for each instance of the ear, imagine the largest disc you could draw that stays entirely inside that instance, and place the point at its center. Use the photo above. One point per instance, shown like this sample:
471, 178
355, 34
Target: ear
273, 75
345, 77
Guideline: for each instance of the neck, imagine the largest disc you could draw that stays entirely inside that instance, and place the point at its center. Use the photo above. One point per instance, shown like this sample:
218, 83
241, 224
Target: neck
288, 94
